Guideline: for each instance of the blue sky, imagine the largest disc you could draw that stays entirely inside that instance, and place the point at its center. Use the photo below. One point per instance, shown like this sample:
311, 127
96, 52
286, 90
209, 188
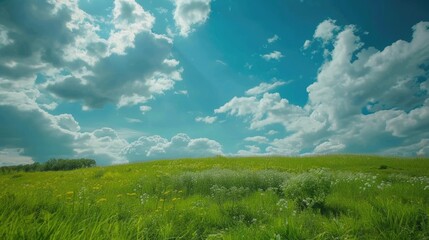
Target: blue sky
124, 81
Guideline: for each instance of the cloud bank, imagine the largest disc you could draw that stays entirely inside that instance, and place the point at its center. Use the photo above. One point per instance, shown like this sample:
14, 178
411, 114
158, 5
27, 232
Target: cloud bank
363, 101
53, 52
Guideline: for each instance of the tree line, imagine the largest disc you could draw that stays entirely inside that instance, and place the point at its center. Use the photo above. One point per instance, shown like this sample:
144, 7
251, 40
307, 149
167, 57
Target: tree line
51, 165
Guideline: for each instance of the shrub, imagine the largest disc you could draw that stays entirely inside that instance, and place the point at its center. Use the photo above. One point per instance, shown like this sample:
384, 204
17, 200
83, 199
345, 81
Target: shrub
201, 182
309, 190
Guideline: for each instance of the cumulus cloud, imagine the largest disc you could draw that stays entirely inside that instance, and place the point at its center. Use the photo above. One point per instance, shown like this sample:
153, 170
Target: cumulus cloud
257, 139
250, 150
207, 119
24, 125
273, 39
42, 66
76, 63
189, 13
123, 76
29, 47
12, 156
129, 19
363, 101
179, 146
325, 30
262, 110
264, 87
275, 55
103, 144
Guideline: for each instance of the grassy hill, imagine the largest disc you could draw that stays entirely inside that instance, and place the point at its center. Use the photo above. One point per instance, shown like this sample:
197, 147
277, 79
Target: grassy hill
323, 197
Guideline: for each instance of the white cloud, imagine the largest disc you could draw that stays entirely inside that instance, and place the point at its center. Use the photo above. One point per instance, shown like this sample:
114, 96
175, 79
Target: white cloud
129, 19
104, 145
39, 134
171, 62
12, 156
328, 147
307, 44
326, 30
258, 139
264, 87
263, 110
189, 13
275, 55
364, 100
250, 150
133, 120
77, 63
207, 119
179, 146
144, 109
51, 106
181, 92
273, 39
114, 79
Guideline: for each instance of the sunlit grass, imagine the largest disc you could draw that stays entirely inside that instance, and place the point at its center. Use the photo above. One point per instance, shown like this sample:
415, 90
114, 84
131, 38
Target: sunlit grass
324, 197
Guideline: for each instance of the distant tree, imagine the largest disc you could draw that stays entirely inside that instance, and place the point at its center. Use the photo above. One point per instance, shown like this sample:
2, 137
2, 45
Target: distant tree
52, 165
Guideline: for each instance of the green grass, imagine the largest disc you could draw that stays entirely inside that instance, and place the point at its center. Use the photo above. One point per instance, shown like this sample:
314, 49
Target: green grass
322, 197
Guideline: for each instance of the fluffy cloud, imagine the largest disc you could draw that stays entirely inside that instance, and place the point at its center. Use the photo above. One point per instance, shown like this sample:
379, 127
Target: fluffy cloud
189, 13
12, 156
364, 100
129, 19
54, 53
257, 139
123, 76
78, 64
264, 87
145, 109
39, 135
30, 47
263, 110
273, 39
251, 150
207, 119
30, 133
103, 144
179, 146
325, 30
275, 55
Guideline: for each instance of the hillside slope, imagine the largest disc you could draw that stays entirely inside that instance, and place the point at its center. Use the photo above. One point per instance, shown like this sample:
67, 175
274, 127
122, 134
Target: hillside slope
321, 197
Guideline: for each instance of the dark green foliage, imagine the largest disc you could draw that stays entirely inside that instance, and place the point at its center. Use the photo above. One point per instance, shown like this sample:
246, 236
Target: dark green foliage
382, 167
51, 165
309, 190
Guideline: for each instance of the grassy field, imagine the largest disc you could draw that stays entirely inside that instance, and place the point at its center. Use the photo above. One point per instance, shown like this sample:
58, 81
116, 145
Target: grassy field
323, 197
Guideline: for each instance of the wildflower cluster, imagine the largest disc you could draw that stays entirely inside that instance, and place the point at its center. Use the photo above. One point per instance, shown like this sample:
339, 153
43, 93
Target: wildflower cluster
309, 189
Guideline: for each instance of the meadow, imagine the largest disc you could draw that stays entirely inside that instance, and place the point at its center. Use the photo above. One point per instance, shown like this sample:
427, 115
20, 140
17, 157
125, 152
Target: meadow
319, 197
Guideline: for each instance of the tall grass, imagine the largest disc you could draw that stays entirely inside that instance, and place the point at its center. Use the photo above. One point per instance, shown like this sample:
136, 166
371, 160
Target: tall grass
331, 197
